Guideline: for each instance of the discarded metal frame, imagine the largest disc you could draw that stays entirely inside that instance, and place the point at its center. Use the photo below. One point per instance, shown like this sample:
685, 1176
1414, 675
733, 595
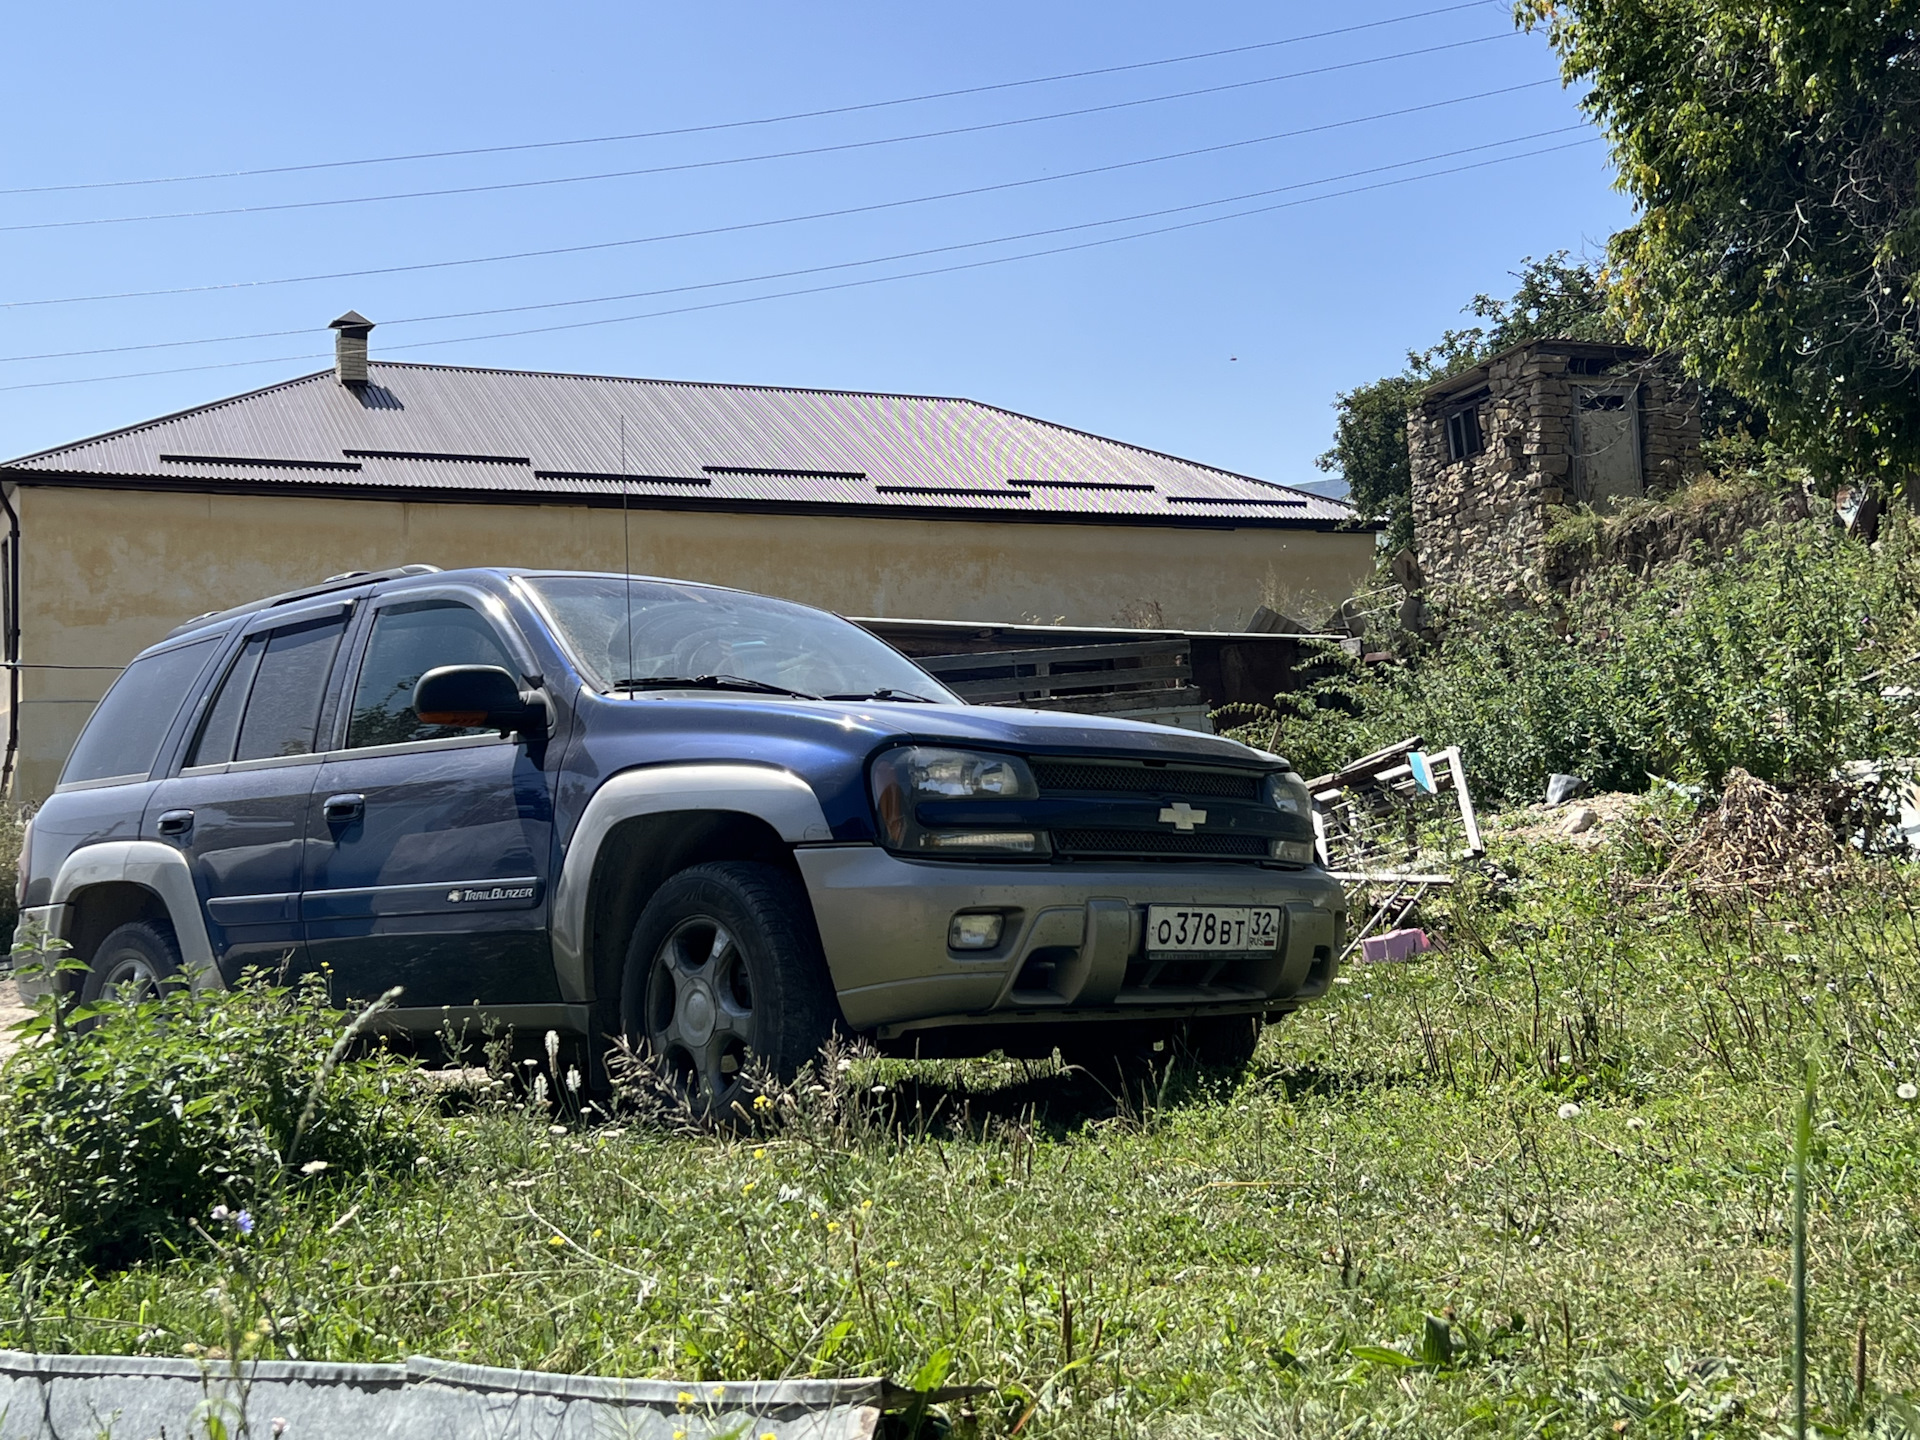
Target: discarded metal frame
1367, 820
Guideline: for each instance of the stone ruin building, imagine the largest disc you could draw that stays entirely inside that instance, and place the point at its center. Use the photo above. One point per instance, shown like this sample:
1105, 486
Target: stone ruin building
1548, 423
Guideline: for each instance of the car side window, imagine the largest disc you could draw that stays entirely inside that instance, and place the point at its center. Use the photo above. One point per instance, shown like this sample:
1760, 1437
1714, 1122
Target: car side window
123, 737
222, 725
268, 706
408, 641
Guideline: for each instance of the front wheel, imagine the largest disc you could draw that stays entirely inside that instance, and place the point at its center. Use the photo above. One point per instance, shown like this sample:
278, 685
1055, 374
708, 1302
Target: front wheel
725, 967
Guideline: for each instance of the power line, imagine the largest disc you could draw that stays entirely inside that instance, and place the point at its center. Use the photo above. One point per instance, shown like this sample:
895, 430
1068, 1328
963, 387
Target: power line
763, 224
745, 124
853, 284
731, 160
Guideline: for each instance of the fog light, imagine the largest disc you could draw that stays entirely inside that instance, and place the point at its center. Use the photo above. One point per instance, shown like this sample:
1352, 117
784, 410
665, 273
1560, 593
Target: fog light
1009, 842
1293, 852
974, 932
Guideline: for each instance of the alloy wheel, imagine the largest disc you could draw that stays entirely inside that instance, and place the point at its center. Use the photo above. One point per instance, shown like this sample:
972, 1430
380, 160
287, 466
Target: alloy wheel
699, 1009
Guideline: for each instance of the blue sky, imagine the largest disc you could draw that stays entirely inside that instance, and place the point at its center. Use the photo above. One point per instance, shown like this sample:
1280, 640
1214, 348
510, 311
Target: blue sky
1223, 342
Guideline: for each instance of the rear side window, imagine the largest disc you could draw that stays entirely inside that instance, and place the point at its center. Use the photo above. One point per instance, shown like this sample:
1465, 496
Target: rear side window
123, 738
269, 704
408, 641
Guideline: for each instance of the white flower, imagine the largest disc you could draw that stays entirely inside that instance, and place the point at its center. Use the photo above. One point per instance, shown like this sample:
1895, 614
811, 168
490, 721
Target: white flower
394, 1273
219, 1212
1636, 1123
556, 1129
1569, 1111
1907, 1090
313, 1167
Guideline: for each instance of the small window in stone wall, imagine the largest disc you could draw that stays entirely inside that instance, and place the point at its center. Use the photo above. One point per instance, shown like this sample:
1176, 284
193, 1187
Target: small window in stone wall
1463, 434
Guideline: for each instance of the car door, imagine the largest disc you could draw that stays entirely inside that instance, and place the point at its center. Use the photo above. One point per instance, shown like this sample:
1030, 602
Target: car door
428, 845
238, 805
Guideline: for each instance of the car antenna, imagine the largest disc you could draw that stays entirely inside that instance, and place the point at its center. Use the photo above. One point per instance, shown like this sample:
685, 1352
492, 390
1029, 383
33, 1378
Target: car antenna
626, 536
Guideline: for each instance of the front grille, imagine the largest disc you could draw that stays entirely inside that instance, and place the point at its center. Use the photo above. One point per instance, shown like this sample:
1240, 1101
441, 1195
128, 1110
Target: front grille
1158, 842
1086, 777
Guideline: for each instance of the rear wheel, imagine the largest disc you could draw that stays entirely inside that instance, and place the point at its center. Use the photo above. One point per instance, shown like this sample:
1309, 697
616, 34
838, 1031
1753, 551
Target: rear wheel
725, 966
134, 962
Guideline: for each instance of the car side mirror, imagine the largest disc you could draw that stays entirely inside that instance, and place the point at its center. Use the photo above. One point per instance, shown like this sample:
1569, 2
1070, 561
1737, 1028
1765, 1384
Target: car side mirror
472, 695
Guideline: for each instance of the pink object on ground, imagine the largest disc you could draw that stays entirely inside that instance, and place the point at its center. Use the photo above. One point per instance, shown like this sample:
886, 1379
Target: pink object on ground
1395, 945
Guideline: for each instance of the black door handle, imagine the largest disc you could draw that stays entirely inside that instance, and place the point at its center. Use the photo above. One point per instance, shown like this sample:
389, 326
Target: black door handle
176, 823
344, 809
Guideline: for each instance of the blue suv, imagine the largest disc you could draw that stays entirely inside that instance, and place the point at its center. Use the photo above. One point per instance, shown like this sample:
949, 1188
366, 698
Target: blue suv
714, 823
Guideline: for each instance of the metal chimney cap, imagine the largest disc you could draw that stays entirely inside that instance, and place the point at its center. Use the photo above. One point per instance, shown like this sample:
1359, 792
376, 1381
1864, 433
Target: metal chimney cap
352, 323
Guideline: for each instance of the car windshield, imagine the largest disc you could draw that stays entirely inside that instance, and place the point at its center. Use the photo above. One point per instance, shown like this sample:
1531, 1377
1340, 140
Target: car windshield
644, 633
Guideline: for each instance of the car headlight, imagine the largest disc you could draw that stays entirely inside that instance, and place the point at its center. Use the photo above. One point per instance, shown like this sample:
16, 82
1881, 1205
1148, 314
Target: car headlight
1289, 795
905, 778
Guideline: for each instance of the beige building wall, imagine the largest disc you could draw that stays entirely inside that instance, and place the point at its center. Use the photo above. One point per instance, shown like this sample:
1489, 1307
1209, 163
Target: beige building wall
107, 572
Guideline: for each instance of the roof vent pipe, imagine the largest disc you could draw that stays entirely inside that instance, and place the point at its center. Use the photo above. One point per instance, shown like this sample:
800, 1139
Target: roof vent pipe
350, 333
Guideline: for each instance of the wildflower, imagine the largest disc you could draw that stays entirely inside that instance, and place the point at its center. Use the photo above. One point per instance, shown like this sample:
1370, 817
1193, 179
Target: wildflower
1907, 1090
1569, 1111
718, 1391
573, 1079
598, 1232
833, 1227
893, 1264
749, 1187
1636, 1123
556, 1129
760, 1154
313, 1167
420, 1160
219, 1212
686, 1397
395, 1273
279, 1425
866, 1204
763, 1102
556, 1240
243, 1222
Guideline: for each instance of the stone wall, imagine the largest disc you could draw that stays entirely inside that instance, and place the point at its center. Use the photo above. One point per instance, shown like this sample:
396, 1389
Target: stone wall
1480, 523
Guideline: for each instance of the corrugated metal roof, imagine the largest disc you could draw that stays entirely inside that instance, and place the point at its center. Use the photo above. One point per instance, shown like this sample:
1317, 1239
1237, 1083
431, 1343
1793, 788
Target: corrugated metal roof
425, 428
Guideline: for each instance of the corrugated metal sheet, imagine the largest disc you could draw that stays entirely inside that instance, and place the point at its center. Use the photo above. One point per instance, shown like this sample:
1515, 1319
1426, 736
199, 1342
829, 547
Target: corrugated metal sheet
435, 427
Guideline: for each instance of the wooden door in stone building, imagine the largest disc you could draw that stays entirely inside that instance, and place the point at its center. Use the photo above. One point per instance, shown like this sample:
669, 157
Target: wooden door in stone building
1606, 444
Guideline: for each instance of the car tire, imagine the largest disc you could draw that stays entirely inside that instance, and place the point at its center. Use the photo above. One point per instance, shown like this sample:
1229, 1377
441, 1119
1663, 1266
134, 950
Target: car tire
725, 965
137, 961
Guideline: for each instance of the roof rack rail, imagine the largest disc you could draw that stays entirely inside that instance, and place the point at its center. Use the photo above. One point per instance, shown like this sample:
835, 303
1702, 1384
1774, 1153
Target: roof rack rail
345, 580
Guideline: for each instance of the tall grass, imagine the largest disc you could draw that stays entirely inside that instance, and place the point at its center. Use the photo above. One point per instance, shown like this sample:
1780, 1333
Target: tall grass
1536, 1184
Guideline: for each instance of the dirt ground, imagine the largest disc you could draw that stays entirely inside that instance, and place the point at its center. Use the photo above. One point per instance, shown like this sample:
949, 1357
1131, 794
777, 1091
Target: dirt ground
1583, 822
11, 1011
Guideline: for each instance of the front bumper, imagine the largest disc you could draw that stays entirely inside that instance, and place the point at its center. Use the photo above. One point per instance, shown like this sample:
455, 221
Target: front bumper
1073, 944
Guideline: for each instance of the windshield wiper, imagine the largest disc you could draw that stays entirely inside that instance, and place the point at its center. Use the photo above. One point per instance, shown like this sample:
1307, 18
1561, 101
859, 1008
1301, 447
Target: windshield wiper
709, 682
885, 694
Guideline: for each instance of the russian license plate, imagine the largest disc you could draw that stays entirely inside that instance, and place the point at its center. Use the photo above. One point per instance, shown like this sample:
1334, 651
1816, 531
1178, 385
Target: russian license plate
1212, 929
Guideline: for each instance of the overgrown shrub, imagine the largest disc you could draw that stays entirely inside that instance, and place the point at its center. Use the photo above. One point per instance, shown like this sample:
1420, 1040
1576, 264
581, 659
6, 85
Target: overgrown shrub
1784, 659
120, 1123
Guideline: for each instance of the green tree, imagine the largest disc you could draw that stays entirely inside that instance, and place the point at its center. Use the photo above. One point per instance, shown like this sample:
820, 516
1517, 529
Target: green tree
1770, 145
1556, 296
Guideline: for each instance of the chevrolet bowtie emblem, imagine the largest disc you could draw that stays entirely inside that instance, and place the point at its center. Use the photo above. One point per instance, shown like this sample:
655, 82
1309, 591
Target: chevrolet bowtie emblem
1183, 817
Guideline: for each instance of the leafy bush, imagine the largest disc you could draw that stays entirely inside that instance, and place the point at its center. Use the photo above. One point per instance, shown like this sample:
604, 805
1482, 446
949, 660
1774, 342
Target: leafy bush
120, 1122
1782, 659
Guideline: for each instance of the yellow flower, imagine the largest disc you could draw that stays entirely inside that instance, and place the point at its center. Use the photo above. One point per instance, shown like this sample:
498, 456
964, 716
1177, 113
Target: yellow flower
760, 1154
763, 1102
557, 1240
687, 1397
833, 1227
866, 1204
749, 1187
598, 1232
718, 1391
893, 1264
